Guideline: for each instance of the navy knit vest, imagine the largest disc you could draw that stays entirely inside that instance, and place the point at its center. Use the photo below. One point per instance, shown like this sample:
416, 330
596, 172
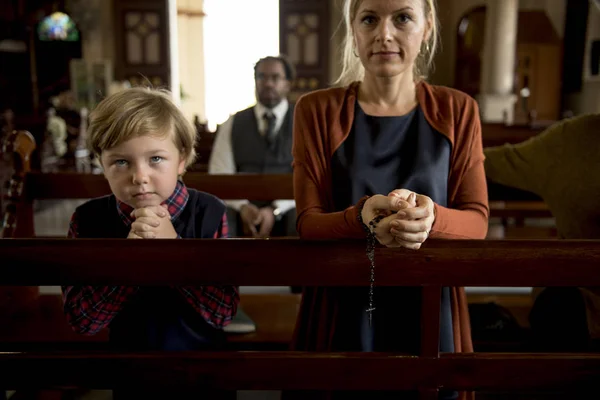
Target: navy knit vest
157, 318
250, 150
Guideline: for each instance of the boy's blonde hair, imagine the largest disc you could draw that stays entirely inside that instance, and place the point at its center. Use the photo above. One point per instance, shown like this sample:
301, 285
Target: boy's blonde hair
352, 68
139, 112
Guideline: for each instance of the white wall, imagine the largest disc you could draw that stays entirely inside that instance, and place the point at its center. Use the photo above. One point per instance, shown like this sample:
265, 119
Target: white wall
190, 29
237, 33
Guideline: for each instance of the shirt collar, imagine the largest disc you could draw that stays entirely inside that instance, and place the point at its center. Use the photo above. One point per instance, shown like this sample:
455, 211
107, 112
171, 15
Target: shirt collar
175, 204
279, 110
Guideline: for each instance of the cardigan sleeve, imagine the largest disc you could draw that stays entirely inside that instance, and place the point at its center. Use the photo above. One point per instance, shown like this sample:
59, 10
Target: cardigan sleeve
311, 161
467, 216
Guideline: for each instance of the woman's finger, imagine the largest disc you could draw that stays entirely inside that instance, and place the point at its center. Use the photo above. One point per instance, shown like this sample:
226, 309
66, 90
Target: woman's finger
410, 226
417, 213
419, 237
408, 245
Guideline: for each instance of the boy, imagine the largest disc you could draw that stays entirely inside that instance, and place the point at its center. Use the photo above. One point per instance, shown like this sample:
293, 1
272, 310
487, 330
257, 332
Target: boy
144, 143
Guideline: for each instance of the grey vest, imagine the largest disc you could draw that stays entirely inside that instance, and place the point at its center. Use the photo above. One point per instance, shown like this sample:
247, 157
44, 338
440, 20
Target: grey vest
250, 150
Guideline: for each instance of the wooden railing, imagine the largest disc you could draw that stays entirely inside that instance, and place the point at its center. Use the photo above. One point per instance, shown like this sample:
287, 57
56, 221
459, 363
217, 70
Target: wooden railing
506, 203
17, 147
324, 263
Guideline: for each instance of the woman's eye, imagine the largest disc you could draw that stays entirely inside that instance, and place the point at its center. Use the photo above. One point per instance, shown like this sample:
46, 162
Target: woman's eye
403, 18
156, 159
368, 20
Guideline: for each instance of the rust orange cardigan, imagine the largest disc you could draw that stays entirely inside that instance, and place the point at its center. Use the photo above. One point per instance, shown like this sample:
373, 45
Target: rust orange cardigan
322, 121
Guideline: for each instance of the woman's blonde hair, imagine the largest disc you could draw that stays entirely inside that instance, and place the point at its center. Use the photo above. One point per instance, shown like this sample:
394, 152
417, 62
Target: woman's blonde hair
352, 68
137, 112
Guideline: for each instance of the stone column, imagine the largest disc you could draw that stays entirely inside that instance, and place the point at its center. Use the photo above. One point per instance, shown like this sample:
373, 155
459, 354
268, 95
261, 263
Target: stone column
496, 99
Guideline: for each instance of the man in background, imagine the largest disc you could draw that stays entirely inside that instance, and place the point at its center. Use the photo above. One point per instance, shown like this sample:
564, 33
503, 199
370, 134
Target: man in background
258, 140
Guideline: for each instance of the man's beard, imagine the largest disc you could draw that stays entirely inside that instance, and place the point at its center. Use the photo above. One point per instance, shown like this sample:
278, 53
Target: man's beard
268, 101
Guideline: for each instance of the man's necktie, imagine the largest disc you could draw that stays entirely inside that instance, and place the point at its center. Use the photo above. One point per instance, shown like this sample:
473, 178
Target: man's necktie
270, 132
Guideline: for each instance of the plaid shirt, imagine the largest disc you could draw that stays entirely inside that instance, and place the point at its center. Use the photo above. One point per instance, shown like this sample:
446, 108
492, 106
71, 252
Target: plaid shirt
91, 308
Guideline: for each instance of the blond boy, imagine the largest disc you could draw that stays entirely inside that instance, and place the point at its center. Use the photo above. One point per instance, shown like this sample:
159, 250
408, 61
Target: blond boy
144, 144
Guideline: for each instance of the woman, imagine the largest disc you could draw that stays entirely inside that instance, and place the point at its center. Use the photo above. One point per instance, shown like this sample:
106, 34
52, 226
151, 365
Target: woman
387, 131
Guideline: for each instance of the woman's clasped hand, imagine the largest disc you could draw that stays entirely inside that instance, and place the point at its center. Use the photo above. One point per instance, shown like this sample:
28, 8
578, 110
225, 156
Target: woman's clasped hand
403, 218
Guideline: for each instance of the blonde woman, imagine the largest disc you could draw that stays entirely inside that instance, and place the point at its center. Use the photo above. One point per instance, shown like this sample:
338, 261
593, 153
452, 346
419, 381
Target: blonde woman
382, 142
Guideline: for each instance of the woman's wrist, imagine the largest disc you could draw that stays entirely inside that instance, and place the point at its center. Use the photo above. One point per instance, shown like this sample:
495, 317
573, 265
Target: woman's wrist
360, 205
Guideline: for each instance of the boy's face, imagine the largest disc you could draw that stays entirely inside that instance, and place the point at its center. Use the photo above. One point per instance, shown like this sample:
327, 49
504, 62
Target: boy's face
143, 171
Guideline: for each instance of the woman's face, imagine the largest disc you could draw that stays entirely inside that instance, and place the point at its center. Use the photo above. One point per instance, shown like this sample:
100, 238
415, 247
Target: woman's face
389, 35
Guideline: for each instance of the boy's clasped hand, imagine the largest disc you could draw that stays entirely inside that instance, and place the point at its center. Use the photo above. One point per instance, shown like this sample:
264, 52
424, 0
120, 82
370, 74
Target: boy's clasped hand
153, 222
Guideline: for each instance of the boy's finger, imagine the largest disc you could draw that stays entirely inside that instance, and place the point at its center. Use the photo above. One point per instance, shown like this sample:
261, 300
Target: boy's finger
152, 211
152, 221
146, 235
252, 229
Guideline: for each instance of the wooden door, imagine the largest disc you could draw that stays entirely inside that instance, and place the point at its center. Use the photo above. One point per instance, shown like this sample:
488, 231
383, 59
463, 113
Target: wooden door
304, 39
142, 42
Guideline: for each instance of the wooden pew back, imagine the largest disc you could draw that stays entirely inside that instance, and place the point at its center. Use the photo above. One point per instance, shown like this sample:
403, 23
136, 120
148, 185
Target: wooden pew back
505, 203
327, 263
15, 150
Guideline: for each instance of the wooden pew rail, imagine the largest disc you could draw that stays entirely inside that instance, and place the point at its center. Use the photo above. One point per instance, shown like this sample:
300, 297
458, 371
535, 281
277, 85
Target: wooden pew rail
327, 263
505, 203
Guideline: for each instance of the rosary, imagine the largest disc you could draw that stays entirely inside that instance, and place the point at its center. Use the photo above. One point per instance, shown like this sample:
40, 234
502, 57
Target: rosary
371, 241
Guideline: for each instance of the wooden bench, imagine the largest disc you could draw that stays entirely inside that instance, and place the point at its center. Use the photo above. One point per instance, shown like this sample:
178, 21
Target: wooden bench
39, 186
497, 134
266, 187
492, 135
16, 150
255, 187
328, 263
42, 325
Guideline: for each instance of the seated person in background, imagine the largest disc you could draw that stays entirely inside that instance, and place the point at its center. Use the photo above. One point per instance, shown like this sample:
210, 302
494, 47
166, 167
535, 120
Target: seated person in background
145, 144
559, 165
258, 140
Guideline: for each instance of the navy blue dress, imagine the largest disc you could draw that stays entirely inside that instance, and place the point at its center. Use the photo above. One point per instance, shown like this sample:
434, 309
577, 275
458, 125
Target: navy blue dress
382, 154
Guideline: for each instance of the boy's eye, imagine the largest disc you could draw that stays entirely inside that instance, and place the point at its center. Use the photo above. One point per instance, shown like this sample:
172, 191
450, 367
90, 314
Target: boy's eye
120, 163
156, 159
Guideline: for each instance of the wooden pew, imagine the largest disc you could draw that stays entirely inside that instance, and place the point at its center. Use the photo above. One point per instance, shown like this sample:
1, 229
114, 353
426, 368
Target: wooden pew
494, 134
42, 325
66, 185
506, 203
16, 149
331, 263
272, 331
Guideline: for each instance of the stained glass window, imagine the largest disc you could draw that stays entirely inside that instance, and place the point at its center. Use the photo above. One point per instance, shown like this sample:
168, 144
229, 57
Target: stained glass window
58, 26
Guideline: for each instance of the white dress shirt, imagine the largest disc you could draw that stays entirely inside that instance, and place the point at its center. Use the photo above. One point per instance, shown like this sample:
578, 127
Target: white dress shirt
222, 161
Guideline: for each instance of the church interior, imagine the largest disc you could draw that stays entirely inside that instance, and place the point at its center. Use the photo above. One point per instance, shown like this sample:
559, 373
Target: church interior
529, 65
